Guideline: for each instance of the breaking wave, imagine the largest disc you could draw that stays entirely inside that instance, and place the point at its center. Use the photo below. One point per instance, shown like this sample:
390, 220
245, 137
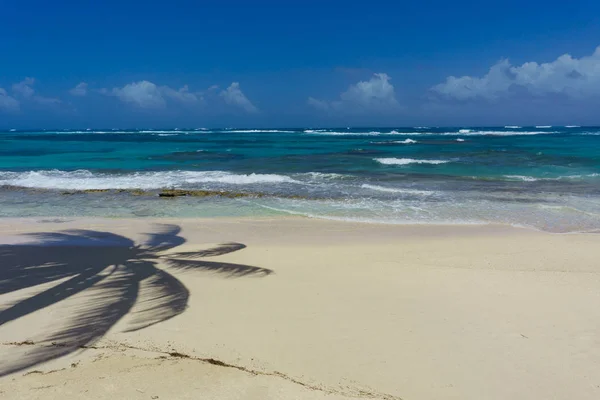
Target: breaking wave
84, 180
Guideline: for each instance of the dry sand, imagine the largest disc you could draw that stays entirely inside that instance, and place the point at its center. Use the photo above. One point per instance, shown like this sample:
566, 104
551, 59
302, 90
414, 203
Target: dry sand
308, 309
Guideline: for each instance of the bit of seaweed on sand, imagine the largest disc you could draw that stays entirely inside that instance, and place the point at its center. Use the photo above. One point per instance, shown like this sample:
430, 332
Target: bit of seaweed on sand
348, 391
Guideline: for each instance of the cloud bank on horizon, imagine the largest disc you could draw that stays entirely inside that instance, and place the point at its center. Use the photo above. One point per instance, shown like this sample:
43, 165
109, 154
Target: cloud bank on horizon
147, 95
575, 79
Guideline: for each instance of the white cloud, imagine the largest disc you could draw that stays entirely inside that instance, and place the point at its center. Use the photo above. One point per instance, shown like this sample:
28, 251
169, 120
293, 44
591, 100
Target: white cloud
182, 95
8, 103
574, 77
145, 94
377, 92
233, 95
79, 90
46, 101
23, 88
25, 91
375, 95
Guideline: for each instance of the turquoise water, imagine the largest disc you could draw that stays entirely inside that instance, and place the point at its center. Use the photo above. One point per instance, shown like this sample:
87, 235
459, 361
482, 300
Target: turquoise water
544, 177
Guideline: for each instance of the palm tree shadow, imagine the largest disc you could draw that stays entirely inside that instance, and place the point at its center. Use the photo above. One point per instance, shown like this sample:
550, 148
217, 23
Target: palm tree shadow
111, 274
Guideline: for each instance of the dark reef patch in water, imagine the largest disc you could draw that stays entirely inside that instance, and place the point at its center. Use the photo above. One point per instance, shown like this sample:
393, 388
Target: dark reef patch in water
161, 193
363, 152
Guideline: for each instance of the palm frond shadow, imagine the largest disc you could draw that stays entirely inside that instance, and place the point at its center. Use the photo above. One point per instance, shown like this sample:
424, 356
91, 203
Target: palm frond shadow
112, 277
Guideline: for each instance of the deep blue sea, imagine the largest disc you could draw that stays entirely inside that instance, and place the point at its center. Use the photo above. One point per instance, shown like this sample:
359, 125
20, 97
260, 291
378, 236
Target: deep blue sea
543, 177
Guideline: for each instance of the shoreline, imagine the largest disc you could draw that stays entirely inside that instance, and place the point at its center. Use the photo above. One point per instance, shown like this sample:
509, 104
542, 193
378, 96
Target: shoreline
293, 307
338, 201
425, 229
409, 228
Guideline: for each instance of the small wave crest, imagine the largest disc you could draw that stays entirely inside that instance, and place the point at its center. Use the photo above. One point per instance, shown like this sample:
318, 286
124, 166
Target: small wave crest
522, 178
525, 178
397, 190
406, 161
351, 133
465, 132
406, 141
257, 131
469, 132
322, 176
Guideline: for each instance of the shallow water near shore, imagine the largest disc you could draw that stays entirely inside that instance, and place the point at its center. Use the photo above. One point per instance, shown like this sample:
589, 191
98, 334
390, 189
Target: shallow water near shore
547, 178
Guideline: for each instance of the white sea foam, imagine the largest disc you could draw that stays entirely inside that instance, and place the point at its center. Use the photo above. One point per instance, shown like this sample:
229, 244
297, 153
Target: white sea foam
257, 131
525, 178
522, 178
332, 133
391, 213
323, 175
572, 126
335, 133
350, 133
13, 130
463, 132
68, 132
176, 131
115, 131
371, 133
460, 140
512, 127
594, 175
469, 132
406, 161
397, 190
83, 179
120, 131
406, 141
543, 126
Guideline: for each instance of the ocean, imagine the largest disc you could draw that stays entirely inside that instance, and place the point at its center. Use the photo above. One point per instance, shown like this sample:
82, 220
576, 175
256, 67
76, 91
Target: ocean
543, 177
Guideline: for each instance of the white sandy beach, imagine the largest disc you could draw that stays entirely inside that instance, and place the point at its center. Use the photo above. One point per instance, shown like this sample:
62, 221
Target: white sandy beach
313, 309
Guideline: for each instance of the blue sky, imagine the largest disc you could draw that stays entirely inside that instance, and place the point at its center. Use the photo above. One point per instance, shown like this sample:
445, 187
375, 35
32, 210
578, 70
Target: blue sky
298, 63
